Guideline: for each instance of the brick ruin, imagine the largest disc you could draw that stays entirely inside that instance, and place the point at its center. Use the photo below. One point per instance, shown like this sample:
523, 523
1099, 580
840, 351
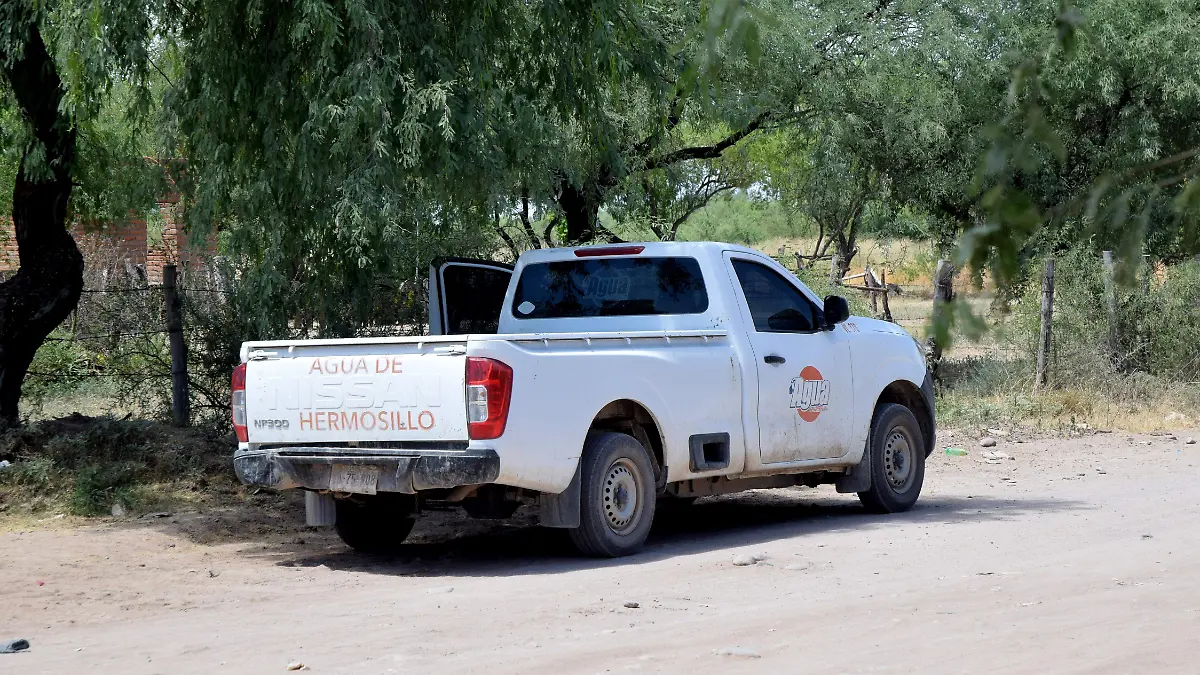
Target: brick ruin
132, 242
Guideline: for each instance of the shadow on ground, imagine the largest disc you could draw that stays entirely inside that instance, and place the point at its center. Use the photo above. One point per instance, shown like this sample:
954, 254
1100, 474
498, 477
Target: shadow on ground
450, 544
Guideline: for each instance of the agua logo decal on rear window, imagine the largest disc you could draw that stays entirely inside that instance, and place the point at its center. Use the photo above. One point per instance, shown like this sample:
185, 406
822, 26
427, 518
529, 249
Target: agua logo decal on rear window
809, 394
607, 286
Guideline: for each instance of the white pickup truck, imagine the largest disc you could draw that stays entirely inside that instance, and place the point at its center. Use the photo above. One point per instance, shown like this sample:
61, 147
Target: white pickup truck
593, 383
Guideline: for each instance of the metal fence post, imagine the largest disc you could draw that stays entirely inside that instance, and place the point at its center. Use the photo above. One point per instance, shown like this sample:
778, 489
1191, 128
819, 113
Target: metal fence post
179, 382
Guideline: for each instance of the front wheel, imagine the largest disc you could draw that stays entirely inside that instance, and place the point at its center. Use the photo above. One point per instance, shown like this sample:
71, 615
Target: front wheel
616, 497
897, 449
375, 523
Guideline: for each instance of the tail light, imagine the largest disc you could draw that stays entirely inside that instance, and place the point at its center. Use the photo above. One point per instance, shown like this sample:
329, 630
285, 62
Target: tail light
238, 403
489, 388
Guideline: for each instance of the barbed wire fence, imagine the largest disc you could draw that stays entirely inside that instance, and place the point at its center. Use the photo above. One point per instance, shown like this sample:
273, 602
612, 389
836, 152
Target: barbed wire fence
118, 342
114, 353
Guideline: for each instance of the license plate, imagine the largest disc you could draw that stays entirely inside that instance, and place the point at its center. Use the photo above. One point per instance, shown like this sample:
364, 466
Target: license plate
357, 479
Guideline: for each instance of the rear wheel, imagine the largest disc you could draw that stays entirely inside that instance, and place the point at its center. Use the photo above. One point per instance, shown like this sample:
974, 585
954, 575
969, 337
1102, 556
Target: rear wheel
616, 497
375, 523
897, 449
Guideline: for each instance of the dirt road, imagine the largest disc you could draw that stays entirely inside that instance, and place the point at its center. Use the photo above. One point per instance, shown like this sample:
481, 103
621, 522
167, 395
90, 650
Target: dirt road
1076, 556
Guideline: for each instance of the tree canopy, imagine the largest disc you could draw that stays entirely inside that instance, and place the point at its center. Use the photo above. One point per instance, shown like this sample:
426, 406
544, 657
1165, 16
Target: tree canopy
338, 146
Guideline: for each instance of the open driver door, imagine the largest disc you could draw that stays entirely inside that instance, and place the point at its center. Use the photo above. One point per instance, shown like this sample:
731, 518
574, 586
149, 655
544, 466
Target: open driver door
466, 296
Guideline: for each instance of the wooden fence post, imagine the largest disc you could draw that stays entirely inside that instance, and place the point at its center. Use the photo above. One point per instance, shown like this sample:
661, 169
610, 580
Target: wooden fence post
179, 383
871, 282
1110, 299
887, 311
1045, 338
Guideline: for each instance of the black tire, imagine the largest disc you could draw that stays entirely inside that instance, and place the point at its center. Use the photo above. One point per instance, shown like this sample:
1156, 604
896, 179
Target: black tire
616, 496
897, 449
375, 523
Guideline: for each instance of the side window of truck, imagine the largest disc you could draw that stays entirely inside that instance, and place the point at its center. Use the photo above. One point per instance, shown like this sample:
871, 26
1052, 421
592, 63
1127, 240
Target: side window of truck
775, 304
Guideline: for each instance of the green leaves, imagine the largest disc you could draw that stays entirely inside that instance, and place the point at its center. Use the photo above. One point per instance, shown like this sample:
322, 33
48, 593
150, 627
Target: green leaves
725, 29
338, 145
342, 145
1067, 25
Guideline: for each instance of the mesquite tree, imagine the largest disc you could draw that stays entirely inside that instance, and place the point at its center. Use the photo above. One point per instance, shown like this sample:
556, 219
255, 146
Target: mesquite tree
46, 287
58, 66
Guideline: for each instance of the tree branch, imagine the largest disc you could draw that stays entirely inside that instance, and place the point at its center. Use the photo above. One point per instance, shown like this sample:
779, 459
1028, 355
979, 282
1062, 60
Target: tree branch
160, 72
512, 245
674, 115
696, 206
764, 120
710, 151
547, 235
533, 240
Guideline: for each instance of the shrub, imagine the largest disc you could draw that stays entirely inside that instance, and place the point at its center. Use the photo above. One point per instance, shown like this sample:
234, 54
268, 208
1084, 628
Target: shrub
1158, 322
1150, 371
99, 486
86, 464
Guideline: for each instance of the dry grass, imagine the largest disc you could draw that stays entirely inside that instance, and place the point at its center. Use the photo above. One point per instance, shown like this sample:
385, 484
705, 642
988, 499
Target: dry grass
983, 386
1069, 410
94, 399
907, 262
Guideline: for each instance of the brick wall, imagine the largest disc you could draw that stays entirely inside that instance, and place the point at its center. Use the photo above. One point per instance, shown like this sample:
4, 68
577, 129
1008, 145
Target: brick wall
130, 241
8, 247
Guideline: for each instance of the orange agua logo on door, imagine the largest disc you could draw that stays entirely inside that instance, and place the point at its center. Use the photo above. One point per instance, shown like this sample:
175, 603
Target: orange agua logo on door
809, 394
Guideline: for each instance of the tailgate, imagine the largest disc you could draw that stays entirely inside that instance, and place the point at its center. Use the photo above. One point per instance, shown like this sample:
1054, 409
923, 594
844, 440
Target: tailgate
396, 391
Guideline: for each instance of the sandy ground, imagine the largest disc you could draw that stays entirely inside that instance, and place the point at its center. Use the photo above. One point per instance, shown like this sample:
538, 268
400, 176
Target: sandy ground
1077, 556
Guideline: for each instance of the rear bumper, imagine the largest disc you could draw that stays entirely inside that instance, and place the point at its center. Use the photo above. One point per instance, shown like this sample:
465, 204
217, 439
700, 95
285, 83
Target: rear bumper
401, 470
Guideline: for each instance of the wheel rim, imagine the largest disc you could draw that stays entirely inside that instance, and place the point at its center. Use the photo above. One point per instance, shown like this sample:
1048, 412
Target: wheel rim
622, 496
899, 460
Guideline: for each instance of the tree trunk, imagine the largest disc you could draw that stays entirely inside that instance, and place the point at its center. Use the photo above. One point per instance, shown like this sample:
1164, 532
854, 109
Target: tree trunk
508, 241
46, 288
526, 224
943, 292
581, 209
847, 237
844, 256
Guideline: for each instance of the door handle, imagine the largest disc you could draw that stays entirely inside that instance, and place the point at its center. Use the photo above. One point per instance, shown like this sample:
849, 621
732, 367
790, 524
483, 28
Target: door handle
774, 359
261, 355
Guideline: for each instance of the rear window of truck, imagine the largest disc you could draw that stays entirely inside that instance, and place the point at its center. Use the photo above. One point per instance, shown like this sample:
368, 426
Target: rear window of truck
610, 287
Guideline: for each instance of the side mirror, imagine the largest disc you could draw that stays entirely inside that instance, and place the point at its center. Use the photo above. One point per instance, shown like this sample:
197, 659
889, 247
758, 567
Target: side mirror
836, 311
